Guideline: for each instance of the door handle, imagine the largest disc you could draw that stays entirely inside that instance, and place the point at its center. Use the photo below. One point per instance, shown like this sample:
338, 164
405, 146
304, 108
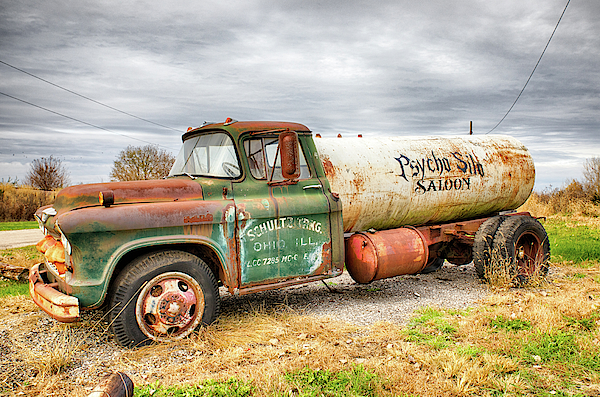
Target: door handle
312, 187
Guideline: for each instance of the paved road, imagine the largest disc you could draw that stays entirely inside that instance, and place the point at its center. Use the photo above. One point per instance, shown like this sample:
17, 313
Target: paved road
19, 238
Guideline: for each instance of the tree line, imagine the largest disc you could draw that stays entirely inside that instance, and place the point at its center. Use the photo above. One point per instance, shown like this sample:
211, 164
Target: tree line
134, 163
47, 175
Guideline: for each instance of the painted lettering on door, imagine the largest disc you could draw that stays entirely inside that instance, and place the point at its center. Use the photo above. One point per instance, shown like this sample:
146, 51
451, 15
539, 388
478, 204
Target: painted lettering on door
281, 247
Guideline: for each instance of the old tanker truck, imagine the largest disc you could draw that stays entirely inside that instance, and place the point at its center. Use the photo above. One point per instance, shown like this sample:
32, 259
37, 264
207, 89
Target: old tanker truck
253, 206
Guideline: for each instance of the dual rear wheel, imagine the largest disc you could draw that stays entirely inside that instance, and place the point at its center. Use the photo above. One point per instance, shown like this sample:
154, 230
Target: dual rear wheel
511, 248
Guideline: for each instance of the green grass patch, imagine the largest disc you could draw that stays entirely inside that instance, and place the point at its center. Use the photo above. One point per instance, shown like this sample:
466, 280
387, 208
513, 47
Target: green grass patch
431, 327
588, 323
18, 225
208, 388
355, 382
306, 382
559, 347
572, 242
13, 288
28, 250
516, 324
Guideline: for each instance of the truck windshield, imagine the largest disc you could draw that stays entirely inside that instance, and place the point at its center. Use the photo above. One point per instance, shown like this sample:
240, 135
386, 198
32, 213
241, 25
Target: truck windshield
207, 155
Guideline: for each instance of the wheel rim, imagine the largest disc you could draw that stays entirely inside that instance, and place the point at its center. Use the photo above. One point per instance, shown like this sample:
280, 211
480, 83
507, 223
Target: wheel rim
170, 307
528, 253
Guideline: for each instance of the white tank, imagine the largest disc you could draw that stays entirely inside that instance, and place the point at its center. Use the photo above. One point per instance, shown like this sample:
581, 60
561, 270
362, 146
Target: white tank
389, 182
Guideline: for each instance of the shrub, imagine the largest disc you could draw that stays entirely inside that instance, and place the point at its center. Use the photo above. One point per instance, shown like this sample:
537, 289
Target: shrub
20, 203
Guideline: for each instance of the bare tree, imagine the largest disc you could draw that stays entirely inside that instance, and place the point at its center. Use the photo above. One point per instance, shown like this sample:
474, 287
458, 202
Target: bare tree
141, 162
47, 173
591, 176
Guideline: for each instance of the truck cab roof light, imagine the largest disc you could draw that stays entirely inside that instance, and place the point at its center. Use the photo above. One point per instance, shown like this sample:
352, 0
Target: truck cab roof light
106, 198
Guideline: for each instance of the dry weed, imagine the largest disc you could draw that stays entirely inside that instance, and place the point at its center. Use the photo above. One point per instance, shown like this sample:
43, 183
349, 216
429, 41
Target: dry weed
19, 203
28, 360
260, 346
22, 257
16, 304
502, 272
560, 202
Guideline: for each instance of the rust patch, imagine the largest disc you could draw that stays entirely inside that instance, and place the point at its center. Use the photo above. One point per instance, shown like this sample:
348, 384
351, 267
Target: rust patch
358, 182
328, 167
198, 230
198, 218
162, 190
327, 255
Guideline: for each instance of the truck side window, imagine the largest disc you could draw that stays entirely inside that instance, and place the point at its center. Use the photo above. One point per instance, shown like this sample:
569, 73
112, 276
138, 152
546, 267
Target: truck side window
263, 159
207, 155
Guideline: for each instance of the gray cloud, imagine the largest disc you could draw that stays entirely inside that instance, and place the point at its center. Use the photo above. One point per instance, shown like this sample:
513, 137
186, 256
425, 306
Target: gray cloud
385, 68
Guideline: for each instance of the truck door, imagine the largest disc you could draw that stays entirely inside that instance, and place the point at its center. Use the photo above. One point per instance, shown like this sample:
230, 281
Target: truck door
284, 227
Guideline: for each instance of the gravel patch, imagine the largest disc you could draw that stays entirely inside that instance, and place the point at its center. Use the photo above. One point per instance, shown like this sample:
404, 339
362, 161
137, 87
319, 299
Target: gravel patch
393, 299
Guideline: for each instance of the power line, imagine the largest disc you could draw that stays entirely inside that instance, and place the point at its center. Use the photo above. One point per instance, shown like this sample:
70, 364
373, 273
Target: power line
80, 121
536, 65
87, 98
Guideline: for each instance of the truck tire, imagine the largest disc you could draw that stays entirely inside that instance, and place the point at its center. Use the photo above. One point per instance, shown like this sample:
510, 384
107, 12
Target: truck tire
521, 242
482, 246
162, 297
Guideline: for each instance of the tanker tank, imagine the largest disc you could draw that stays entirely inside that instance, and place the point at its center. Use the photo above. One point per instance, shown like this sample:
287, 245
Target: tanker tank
389, 182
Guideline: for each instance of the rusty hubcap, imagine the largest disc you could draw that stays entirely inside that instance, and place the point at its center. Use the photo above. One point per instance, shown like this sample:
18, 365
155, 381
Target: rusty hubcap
528, 252
170, 307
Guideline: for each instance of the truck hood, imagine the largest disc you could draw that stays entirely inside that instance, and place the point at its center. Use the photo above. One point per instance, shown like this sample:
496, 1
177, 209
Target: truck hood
160, 190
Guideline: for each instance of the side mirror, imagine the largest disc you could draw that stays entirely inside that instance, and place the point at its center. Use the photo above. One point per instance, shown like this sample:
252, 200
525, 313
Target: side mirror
290, 157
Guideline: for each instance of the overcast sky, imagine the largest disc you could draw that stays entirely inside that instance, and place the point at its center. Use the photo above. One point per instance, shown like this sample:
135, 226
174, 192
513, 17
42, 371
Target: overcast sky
372, 67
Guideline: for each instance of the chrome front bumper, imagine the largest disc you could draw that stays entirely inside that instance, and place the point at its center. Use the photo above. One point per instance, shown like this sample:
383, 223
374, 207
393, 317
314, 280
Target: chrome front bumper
59, 306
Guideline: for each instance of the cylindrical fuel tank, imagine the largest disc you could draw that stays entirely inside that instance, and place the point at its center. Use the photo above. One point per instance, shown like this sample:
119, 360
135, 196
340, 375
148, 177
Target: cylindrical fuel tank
388, 182
387, 253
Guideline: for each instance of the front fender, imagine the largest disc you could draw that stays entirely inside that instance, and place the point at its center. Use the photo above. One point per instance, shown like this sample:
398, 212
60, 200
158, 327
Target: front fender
101, 237
170, 241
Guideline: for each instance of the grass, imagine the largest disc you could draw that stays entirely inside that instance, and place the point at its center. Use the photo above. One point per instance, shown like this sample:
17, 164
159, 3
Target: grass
305, 382
516, 324
430, 327
209, 388
13, 288
519, 341
22, 256
573, 241
541, 340
18, 225
19, 203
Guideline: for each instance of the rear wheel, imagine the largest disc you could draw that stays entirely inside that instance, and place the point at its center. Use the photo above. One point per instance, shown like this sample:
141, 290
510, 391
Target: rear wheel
162, 297
523, 249
482, 246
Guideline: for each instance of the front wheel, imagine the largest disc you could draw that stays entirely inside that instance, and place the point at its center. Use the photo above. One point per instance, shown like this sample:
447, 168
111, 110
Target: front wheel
522, 249
162, 297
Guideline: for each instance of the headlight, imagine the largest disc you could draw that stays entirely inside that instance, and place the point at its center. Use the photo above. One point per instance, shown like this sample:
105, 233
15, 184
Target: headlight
47, 213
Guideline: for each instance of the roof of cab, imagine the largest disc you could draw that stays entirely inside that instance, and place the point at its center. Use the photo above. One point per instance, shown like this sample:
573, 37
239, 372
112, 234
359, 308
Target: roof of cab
237, 128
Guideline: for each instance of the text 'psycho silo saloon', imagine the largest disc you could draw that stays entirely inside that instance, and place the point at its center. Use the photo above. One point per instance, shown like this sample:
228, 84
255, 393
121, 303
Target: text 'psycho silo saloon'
253, 206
